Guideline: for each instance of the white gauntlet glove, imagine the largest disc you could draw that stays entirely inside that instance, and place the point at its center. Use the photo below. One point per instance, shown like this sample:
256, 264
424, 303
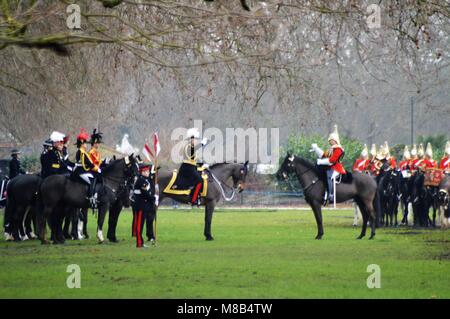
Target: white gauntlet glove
323, 161
317, 150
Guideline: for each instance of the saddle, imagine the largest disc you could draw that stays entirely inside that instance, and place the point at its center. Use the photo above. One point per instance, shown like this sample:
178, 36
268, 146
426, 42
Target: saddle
179, 186
346, 178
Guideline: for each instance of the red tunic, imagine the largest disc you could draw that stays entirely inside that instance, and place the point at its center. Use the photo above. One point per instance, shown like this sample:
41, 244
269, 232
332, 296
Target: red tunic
334, 159
404, 165
361, 165
392, 162
445, 163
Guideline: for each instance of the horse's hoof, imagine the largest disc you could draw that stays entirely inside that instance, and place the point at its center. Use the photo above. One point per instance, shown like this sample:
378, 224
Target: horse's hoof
86, 236
113, 240
371, 237
359, 237
209, 238
319, 237
45, 242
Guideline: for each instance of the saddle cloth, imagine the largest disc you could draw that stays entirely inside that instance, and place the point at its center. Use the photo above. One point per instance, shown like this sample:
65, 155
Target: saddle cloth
433, 176
177, 185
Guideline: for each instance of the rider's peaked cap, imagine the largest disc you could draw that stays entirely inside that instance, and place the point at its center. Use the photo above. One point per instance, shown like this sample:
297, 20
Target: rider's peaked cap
15, 152
144, 167
96, 137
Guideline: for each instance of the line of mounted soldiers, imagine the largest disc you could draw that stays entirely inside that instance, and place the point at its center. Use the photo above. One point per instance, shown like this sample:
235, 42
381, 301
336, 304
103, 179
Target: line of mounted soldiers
87, 169
413, 181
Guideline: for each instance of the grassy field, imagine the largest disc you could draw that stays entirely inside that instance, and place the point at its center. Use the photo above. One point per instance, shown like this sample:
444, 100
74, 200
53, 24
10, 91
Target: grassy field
255, 254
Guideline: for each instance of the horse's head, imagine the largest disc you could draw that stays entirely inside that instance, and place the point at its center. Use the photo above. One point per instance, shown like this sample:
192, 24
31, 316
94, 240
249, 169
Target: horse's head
239, 175
286, 168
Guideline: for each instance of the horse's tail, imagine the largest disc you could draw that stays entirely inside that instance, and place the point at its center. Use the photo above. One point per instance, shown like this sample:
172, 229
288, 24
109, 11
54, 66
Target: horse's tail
10, 208
377, 207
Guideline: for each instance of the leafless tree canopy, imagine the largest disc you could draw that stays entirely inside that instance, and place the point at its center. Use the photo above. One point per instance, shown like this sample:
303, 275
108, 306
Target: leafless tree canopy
299, 65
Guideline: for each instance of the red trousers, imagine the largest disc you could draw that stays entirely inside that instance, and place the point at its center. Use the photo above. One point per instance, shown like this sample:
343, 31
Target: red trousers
138, 225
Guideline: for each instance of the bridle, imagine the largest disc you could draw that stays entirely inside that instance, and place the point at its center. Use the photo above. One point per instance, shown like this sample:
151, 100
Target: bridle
305, 188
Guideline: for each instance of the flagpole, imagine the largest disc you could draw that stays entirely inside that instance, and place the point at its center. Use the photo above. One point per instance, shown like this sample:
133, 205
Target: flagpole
156, 190
156, 152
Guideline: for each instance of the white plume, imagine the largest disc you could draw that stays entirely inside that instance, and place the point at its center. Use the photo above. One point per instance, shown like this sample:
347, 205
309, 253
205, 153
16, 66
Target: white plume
125, 146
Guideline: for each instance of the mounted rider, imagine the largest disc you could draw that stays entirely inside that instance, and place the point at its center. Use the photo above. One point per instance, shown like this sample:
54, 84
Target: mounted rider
390, 159
362, 163
404, 165
414, 159
417, 163
373, 167
52, 159
85, 168
428, 161
445, 160
188, 169
14, 165
331, 159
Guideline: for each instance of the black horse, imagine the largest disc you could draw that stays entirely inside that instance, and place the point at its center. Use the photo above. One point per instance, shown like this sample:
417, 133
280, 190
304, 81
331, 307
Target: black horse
389, 187
20, 206
59, 191
219, 174
76, 221
444, 201
362, 190
423, 198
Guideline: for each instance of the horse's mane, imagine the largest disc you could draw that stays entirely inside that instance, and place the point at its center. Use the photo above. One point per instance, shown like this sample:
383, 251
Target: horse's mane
216, 165
311, 166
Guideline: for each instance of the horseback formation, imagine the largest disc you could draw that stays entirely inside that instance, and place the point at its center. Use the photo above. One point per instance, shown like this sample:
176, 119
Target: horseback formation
61, 195
413, 184
64, 191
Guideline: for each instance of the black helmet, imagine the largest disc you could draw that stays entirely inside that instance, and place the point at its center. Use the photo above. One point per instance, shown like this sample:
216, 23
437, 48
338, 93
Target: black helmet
96, 137
47, 143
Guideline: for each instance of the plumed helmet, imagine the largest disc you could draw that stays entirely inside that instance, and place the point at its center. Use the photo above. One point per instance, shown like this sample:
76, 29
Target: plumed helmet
96, 137
365, 151
421, 151
193, 133
373, 150
406, 154
381, 154
386, 149
57, 137
335, 136
429, 150
414, 150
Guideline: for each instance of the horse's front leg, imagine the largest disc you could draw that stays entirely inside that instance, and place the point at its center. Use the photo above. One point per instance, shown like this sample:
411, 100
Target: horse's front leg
113, 218
101, 219
209, 209
317, 209
84, 214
